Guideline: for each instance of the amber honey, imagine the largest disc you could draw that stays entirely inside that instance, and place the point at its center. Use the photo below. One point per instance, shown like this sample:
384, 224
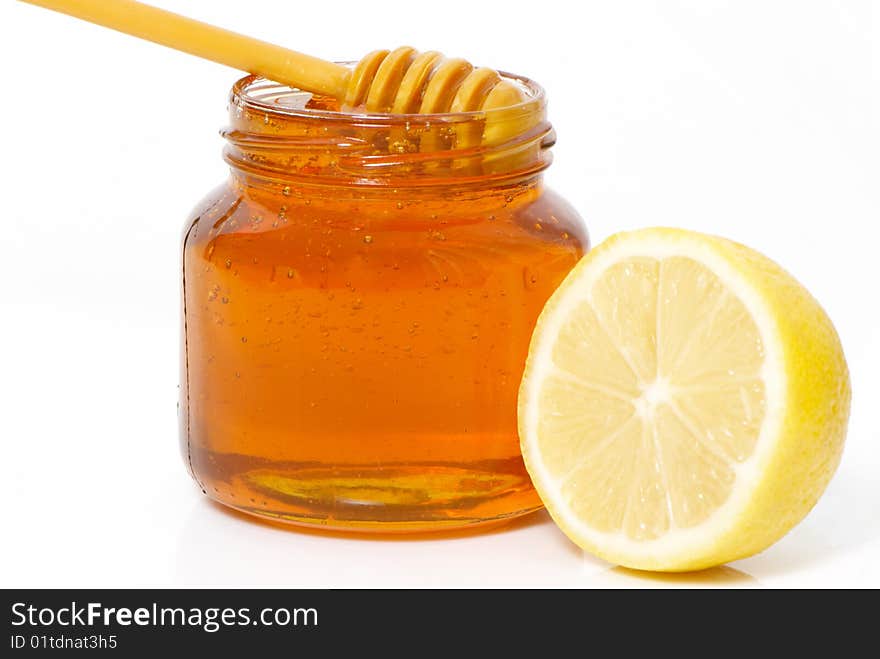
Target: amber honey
358, 302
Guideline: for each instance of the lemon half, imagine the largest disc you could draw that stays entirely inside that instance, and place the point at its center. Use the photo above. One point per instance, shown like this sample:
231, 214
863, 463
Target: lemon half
684, 401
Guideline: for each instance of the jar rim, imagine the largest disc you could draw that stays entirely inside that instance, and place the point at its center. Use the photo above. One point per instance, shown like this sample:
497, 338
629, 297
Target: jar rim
273, 134
255, 92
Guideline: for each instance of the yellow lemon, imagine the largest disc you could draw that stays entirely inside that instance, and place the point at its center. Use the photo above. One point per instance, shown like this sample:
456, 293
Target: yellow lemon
684, 401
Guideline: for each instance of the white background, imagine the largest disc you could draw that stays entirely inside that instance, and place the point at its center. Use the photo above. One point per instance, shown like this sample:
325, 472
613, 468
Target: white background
751, 119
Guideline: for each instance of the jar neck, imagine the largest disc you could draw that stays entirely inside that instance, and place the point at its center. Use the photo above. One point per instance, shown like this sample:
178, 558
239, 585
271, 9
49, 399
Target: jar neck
280, 137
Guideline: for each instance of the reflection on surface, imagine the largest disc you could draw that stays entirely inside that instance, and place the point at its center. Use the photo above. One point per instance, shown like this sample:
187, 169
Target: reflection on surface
219, 547
723, 576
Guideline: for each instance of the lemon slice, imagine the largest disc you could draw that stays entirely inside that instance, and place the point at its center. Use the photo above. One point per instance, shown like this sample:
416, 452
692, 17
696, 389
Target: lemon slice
684, 401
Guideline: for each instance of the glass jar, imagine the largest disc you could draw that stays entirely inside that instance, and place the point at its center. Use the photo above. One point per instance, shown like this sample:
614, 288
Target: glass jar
358, 300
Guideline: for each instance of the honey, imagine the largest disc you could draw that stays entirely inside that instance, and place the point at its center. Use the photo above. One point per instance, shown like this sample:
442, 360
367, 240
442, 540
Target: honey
358, 301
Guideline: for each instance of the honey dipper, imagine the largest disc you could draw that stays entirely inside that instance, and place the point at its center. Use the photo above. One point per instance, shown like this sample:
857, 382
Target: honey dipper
398, 81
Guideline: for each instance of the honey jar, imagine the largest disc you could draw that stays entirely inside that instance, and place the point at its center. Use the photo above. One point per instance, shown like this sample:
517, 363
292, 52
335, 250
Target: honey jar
358, 299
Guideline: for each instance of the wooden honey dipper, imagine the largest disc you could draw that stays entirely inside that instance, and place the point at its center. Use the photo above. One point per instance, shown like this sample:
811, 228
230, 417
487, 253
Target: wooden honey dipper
397, 81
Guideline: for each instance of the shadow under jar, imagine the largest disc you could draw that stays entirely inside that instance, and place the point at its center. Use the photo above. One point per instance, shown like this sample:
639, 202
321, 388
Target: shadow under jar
358, 300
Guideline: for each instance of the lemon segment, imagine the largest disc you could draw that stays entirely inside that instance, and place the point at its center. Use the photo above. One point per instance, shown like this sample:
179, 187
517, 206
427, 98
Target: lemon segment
684, 401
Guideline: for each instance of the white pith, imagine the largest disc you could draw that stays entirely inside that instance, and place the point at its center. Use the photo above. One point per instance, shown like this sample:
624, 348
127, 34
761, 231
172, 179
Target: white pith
575, 291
